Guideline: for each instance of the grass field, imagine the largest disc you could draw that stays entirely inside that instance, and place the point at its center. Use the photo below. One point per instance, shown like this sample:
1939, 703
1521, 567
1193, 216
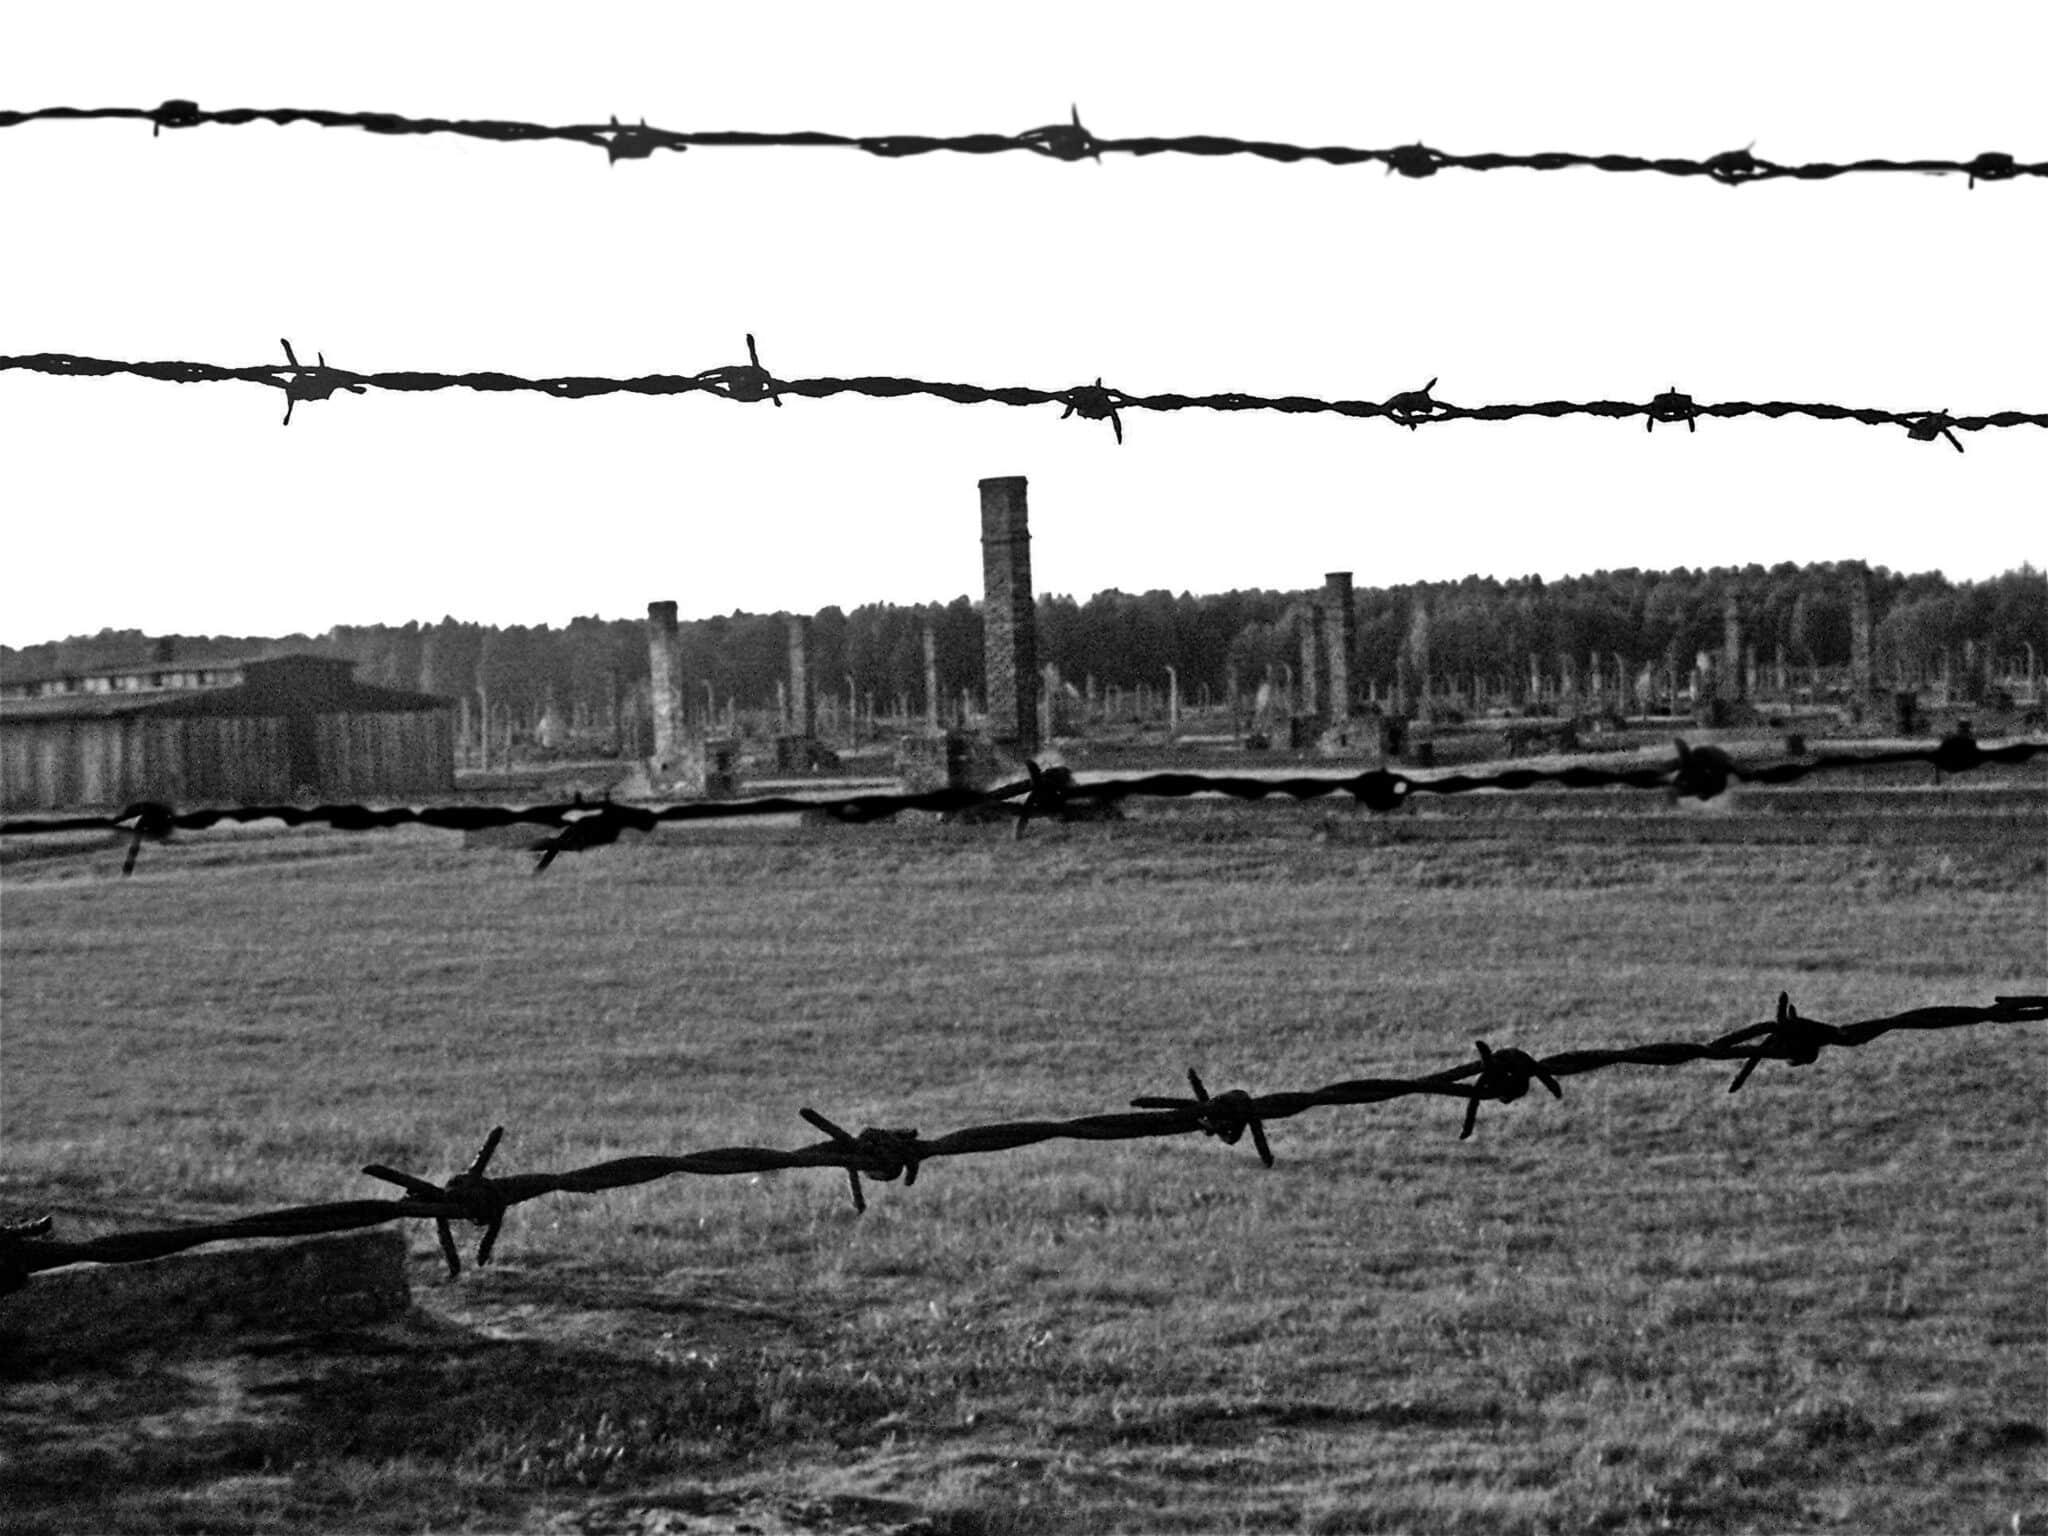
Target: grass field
1818, 1304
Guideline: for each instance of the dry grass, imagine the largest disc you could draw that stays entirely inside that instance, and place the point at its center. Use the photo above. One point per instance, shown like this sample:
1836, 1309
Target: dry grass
1816, 1304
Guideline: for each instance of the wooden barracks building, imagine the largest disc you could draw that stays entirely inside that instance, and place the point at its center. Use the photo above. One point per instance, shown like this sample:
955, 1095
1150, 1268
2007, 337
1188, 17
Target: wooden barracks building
291, 728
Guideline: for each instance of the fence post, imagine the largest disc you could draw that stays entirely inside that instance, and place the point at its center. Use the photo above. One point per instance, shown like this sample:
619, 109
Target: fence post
1864, 678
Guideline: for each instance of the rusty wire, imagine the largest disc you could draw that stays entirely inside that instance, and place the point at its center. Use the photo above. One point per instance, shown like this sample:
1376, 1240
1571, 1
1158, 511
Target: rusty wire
1499, 1076
1069, 141
750, 381
1053, 793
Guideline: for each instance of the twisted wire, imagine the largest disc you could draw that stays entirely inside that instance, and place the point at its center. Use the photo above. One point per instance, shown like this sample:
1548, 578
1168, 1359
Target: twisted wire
751, 382
1068, 141
475, 1196
575, 826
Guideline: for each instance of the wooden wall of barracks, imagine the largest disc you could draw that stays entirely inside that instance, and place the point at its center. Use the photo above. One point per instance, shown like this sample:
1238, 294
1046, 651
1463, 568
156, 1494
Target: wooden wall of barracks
51, 763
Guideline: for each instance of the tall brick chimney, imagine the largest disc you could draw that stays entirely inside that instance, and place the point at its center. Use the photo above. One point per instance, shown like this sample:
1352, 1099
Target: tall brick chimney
1009, 618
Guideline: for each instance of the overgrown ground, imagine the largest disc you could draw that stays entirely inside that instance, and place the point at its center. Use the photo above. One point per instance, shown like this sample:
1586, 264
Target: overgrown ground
1818, 1304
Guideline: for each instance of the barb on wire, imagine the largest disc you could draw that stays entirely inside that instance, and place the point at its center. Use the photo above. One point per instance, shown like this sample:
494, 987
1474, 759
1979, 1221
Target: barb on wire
476, 1196
1672, 406
1932, 425
880, 1154
1504, 1076
1050, 789
743, 381
1703, 773
1699, 773
750, 381
1067, 141
1792, 1039
153, 821
475, 1199
597, 829
632, 143
1226, 1117
301, 383
1412, 407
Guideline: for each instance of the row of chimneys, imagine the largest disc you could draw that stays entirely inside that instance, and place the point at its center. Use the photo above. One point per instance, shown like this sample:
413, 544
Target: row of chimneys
1010, 634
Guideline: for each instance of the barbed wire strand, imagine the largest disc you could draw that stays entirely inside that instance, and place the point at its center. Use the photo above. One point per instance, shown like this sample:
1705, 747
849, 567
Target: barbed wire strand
749, 381
1051, 793
1499, 1076
1068, 141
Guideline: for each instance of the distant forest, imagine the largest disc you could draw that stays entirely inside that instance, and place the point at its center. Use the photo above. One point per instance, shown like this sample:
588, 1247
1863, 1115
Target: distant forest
592, 674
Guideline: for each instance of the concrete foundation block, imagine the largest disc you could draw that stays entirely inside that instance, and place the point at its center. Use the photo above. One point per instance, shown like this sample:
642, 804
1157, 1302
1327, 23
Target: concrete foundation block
87, 1310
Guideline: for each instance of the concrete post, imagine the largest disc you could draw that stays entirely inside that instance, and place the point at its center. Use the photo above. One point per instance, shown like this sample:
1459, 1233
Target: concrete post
1731, 648
1009, 617
664, 670
1863, 677
931, 678
1172, 703
1419, 662
1311, 705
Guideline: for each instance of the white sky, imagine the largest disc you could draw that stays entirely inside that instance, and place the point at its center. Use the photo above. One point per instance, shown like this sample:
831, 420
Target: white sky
187, 508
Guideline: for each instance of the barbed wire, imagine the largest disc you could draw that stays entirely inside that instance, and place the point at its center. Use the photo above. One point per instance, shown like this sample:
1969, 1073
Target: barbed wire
887, 1154
1068, 141
750, 382
1051, 793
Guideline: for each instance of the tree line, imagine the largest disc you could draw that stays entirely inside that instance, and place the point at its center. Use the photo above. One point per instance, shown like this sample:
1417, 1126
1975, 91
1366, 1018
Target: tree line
592, 673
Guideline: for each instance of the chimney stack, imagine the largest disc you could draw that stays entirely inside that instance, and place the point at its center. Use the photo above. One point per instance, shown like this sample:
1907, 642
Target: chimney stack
1009, 617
